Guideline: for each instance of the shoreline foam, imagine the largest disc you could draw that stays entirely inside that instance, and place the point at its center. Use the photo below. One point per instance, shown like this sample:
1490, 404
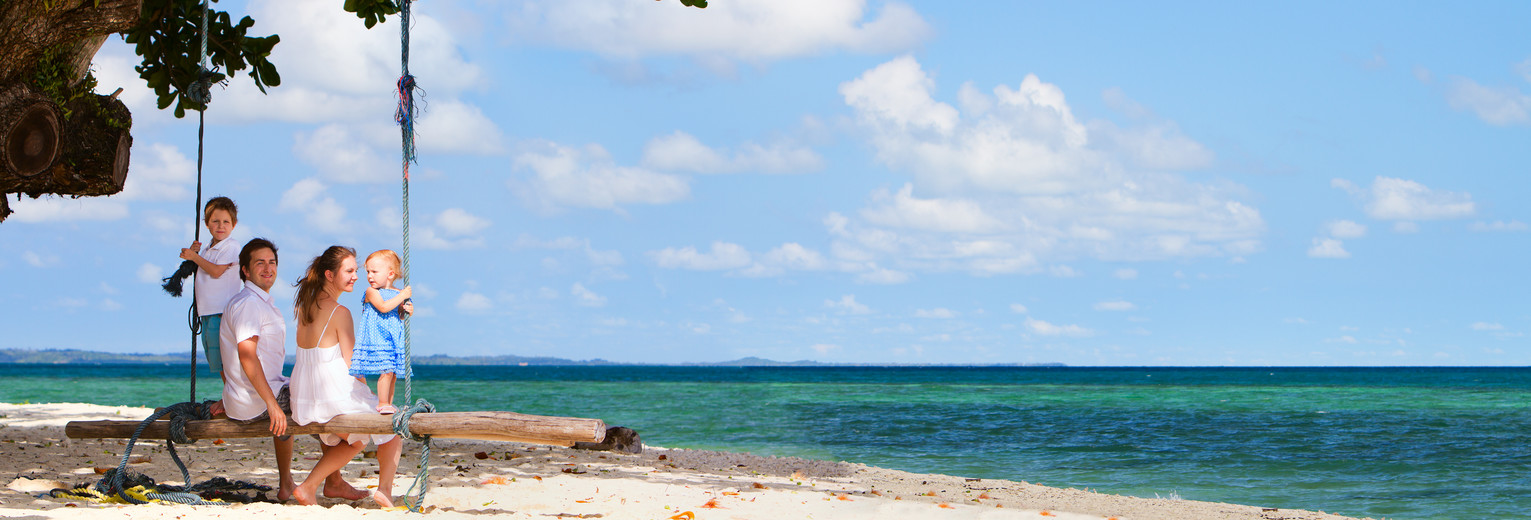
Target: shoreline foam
526, 481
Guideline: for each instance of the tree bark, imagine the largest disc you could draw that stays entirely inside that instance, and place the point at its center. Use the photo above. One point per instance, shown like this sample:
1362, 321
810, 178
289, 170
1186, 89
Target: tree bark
30, 28
495, 426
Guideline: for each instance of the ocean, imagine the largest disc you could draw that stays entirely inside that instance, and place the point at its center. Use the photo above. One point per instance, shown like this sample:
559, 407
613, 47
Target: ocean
1400, 443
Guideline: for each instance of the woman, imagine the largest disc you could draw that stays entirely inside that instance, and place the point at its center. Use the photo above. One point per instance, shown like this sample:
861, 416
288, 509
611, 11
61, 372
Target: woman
321, 385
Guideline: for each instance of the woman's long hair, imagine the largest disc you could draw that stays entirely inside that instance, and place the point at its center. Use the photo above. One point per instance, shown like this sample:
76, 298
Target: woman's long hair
311, 285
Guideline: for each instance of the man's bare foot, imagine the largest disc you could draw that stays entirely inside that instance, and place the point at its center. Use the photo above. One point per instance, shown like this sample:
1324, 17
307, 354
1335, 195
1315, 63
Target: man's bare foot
284, 491
343, 491
382, 499
215, 409
305, 497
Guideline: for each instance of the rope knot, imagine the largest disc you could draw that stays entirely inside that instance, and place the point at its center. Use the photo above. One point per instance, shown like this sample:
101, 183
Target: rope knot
201, 90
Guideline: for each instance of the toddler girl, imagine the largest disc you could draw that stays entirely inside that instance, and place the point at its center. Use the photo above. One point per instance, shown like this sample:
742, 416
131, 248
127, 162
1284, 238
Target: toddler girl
380, 340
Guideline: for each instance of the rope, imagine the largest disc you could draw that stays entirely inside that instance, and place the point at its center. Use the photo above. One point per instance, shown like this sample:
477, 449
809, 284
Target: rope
202, 92
179, 413
405, 117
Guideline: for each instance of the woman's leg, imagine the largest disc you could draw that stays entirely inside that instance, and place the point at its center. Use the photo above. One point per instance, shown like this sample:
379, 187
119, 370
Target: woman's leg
387, 468
330, 463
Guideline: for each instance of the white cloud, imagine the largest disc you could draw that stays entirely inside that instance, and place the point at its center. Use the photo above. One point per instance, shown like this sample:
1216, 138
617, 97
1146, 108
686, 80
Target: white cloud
595, 256
723, 256
1400, 199
563, 176
320, 211
738, 30
903, 210
473, 302
824, 348
63, 209
1328, 248
1345, 229
1126, 273
1047, 329
1405, 227
36, 260
585, 296
848, 304
881, 276
1499, 106
1498, 225
1118, 305
1018, 308
1486, 326
453, 228
456, 127
1014, 177
940, 313
150, 273
681, 152
163, 173
334, 68
788, 256
457, 222
109, 305
342, 157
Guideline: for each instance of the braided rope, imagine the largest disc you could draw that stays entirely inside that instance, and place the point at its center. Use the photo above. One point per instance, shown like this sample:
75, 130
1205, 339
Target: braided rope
405, 117
179, 413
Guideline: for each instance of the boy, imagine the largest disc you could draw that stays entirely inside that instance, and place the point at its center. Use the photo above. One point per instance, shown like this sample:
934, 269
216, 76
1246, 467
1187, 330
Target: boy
215, 284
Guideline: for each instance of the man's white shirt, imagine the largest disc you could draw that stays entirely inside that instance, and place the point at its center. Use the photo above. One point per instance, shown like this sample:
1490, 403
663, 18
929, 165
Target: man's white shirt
249, 314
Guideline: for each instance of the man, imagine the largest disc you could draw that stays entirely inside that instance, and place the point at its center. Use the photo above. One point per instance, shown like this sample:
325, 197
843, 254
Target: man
256, 390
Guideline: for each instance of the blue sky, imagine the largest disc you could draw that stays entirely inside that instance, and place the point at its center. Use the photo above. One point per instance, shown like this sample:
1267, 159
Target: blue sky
849, 181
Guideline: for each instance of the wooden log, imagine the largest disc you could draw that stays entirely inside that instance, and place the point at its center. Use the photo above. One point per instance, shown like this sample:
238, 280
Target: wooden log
493, 426
89, 158
31, 135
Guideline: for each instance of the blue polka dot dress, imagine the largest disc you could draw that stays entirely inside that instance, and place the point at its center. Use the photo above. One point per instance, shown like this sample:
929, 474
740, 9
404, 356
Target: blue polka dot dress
380, 340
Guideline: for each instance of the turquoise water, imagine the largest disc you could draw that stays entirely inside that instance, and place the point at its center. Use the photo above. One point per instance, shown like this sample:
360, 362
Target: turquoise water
1403, 443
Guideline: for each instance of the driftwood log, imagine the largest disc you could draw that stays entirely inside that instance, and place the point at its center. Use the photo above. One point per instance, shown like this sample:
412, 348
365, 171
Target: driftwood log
491, 426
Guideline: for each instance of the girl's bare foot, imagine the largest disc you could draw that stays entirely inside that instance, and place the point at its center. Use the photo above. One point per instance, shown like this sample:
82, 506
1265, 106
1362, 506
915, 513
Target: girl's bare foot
382, 499
305, 496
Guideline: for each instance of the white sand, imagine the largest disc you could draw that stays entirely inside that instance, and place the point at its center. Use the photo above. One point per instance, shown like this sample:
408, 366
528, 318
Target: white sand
525, 481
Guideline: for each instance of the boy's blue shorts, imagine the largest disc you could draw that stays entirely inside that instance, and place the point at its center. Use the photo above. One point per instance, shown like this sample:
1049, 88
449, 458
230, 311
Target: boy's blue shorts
210, 325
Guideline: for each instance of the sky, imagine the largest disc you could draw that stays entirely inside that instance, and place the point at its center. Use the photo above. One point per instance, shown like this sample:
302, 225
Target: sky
1117, 183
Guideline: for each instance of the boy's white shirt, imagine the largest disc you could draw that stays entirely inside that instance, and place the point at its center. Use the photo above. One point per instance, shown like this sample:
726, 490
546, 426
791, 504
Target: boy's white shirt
213, 294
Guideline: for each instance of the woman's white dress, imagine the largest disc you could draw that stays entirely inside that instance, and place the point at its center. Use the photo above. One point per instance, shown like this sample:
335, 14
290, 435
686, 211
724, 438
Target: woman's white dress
323, 388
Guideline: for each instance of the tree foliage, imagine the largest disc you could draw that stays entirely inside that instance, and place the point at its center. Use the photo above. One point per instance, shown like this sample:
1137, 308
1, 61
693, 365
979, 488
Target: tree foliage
169, 38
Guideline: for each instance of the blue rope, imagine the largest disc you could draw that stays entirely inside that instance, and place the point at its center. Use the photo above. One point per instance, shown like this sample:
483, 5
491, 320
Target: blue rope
405, 115
179, 413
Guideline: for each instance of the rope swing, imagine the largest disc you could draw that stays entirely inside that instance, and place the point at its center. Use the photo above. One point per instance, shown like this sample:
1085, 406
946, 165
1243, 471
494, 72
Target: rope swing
405, 115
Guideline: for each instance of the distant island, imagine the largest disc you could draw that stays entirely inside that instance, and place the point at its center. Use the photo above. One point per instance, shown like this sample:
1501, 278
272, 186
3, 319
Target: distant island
87, 357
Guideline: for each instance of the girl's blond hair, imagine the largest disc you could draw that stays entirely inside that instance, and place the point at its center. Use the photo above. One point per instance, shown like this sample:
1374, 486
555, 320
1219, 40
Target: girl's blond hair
393, 261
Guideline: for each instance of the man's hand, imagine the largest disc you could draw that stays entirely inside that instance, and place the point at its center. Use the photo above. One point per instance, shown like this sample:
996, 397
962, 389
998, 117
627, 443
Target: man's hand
278, 420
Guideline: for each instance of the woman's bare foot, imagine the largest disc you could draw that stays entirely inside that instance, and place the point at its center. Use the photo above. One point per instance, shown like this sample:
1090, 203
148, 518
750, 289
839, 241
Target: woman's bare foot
305, 497
343, 491
382, 499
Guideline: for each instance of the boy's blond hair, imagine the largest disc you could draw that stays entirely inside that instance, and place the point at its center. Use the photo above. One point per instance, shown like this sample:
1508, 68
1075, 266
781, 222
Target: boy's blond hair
393, 261
223, 203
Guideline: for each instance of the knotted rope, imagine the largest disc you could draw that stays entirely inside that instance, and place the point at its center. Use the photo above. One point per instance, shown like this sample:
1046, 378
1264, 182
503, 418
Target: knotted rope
405, 115
112, 483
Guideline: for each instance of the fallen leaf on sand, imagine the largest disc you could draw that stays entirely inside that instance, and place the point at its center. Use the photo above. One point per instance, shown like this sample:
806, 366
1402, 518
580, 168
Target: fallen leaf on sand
845, 498
481, 455
494, 480
984, 496
712, 504
218, 442
538, 477
758, 485
1046, 513
585, 501
945, 505
140, 459
684, 515
730, 493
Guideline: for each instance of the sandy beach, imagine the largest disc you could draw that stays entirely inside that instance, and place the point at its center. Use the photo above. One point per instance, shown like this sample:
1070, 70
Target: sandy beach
509, 480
